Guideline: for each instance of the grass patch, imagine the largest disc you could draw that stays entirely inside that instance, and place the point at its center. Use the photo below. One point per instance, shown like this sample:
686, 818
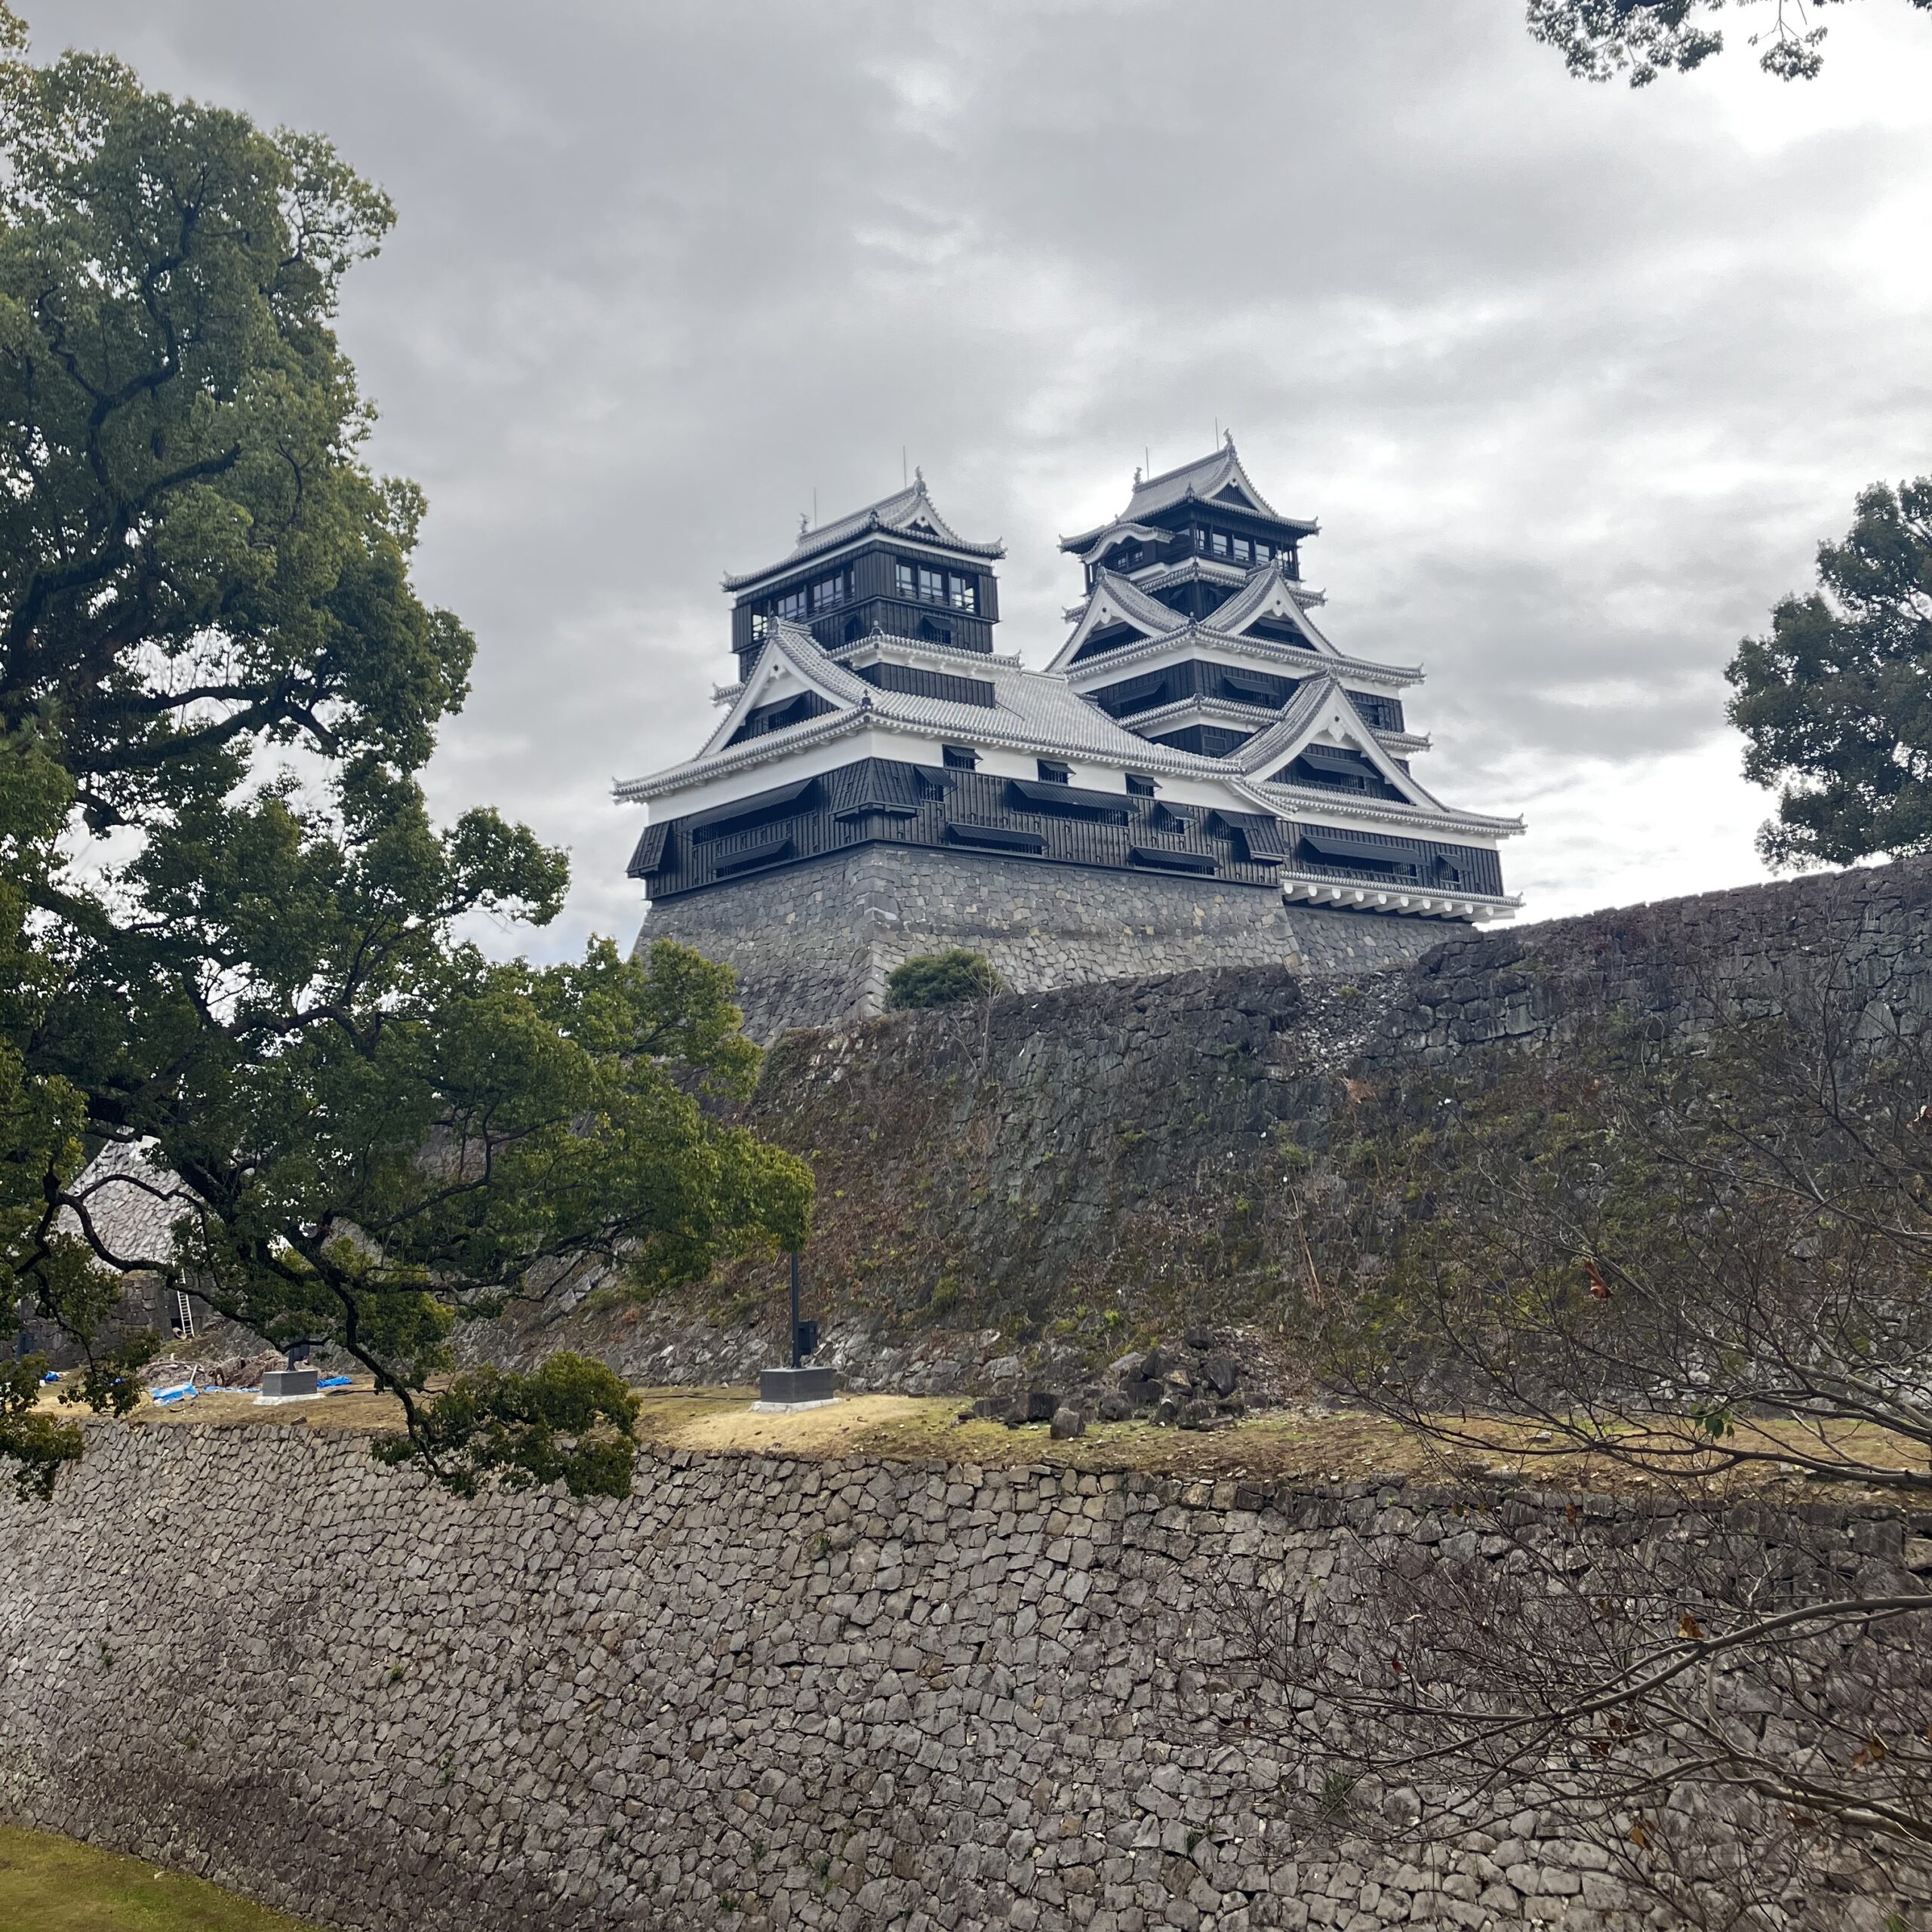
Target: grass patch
1299, 1442
55, 1884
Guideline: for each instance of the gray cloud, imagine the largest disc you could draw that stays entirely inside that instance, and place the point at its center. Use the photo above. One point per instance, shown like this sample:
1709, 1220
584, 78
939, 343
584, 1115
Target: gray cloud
1575, 378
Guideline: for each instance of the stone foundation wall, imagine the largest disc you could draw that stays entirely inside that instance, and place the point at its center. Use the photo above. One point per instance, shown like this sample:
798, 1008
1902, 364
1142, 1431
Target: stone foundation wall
758, 1694
1053, 1170
812, 946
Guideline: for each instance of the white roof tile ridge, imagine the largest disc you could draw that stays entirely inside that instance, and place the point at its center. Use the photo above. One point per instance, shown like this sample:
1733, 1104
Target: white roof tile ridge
1083, 730
754, 751
1211, 570
950, 653
1123, 527
1285, 740
891, 512
1268, 650
1297, 801
797, 647
1297, 715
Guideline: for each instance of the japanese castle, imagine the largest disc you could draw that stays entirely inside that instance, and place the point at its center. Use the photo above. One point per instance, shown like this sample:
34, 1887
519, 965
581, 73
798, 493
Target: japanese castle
1198, 776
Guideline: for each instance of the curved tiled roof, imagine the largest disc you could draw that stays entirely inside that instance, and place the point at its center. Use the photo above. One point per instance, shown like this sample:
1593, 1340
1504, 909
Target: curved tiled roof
1260, 650
1204, 478
901, 513
1033, 711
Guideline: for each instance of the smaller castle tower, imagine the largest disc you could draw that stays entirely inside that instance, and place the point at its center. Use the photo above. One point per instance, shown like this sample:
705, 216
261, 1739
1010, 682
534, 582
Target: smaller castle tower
895, 567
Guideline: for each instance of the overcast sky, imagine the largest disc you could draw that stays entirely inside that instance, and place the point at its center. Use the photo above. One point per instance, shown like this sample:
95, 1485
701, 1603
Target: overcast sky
1575, 378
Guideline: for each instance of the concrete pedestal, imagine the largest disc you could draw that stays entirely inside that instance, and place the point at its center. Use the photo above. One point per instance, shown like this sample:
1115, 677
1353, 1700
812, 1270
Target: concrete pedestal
281, 1384
796, 1387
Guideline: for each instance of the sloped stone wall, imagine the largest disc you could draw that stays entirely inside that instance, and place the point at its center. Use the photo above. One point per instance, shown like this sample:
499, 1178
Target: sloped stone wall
1063, 1169
757, 1695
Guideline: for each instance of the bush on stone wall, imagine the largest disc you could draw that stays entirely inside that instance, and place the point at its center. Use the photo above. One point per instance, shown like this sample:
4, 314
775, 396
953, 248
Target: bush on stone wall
942, 979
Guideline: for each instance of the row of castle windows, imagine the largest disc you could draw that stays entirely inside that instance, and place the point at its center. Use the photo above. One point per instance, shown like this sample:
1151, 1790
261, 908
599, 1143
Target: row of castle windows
1247, 550
809, 600
1241, 549
927, 585
916, 583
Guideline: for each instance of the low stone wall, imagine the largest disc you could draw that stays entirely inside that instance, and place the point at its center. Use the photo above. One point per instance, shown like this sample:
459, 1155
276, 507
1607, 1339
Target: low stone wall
758, 1694
812, 946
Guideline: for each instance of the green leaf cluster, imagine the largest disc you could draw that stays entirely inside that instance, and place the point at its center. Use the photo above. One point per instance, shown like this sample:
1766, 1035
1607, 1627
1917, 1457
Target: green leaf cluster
1641, 39
230, 930
1836, 704
572, 1421
942, 979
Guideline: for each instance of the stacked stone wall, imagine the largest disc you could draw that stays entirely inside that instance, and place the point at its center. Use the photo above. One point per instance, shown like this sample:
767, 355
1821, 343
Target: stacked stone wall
813, 945
758, 1694
1088, 1164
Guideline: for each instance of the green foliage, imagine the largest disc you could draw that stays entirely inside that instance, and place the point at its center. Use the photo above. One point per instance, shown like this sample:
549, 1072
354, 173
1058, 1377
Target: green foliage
1836, 704
942, 979
36, 1442
383, 1130
573, 1421
1640, 39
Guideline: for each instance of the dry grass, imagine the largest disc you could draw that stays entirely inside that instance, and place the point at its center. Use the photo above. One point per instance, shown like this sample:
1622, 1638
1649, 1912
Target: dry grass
1279, 1444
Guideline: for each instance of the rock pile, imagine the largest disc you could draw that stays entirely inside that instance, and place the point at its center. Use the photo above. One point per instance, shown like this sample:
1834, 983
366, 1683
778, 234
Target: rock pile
1192, 1384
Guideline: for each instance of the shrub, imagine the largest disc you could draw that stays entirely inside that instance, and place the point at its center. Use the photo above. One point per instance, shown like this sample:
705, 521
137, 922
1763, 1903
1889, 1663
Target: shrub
942, 979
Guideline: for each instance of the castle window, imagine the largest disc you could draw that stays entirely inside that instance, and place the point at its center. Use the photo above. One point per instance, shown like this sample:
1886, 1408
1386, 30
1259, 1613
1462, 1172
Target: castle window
1140, 787
1200, 542
1054, 773
960, 758
1218, 542
920, 581
760, 624
829, 592
791, 605
1241, 550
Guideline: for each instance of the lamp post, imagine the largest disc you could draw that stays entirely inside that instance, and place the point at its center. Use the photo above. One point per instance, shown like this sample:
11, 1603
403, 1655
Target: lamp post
798, 1387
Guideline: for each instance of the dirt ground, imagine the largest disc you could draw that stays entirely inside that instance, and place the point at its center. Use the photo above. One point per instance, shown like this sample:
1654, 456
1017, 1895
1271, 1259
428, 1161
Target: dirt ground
1315, 1444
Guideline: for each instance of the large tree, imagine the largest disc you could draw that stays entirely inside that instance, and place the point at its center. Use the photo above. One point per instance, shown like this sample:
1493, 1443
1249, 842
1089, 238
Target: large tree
1640, 39
229, 926
1836, 704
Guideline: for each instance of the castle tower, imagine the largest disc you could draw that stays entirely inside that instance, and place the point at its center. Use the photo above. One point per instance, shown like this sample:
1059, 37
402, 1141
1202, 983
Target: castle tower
1199, 778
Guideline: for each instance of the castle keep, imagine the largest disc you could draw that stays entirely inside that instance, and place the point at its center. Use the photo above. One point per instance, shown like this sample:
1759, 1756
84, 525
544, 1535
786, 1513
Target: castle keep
1199, 778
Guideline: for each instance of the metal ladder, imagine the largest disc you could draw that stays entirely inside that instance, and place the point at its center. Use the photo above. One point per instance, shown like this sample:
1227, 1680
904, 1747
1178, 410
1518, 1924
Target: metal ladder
184, 1315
